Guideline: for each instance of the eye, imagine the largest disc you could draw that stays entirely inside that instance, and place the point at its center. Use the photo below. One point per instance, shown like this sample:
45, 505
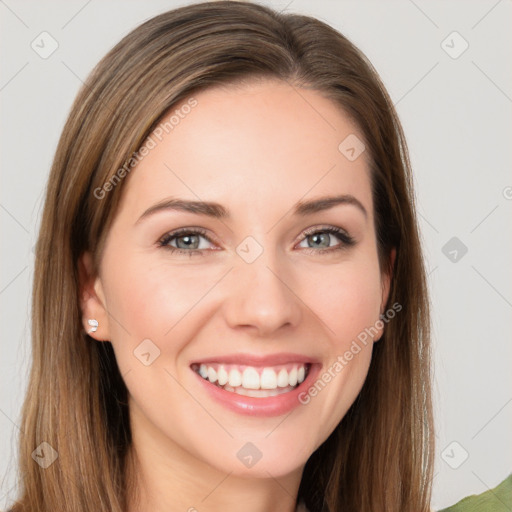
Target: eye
188, 241
321, 239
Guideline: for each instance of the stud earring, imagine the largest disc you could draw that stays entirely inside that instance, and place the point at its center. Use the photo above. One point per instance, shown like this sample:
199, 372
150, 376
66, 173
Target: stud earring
94, 325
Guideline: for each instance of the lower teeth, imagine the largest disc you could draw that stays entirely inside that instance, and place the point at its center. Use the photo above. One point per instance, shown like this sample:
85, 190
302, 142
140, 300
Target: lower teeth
257, 393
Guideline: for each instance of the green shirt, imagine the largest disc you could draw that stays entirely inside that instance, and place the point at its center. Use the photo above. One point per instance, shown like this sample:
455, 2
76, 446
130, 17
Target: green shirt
498, 499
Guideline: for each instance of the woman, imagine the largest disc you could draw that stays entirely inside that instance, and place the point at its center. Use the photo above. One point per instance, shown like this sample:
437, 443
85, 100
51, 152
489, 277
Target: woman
204, 353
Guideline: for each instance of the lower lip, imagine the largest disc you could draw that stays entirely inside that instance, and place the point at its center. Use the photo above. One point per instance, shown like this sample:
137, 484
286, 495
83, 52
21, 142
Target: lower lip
268, 406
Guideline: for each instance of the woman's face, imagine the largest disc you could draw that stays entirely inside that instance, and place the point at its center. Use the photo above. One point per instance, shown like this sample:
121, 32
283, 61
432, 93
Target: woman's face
258, 290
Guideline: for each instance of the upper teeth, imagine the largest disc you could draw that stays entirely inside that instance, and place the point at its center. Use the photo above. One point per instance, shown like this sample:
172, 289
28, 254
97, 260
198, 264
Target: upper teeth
254, 378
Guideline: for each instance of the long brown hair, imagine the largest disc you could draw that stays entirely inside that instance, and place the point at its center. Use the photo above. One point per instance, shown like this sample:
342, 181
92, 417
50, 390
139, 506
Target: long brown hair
380, 456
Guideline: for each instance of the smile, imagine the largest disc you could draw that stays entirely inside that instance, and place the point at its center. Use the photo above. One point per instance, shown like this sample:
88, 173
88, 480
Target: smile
254, 381
256, 385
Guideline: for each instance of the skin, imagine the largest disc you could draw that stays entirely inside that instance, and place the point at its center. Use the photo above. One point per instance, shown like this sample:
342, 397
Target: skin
256, 149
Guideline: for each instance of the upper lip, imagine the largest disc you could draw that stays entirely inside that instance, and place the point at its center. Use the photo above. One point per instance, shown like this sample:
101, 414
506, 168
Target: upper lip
258, 360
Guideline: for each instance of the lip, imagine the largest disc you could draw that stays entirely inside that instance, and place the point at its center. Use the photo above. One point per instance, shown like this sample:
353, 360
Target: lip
261, 407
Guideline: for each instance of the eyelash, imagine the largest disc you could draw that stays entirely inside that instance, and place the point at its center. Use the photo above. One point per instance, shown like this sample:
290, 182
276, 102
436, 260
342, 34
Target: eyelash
346, 240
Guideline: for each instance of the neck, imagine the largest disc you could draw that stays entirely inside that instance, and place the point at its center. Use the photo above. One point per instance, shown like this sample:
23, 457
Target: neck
163, 477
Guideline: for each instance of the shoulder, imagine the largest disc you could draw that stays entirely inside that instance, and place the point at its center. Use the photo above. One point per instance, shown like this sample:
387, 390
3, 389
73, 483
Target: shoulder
498, 499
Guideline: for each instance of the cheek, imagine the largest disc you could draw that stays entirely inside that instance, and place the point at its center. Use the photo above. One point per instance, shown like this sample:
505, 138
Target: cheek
154, 297
349, 307
154, 300
346, 297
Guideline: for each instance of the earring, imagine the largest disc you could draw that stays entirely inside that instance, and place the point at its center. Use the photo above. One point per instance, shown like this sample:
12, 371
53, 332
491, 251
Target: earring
94, 325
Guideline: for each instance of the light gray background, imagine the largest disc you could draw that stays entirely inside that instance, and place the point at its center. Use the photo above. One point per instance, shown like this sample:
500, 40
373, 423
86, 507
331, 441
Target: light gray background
456, 113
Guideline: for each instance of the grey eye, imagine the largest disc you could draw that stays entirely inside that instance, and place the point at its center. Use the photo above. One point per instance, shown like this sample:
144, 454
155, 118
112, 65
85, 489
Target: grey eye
320, 239
188, 241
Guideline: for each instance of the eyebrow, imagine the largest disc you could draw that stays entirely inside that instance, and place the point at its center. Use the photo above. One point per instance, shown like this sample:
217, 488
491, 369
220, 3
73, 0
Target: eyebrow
217, 211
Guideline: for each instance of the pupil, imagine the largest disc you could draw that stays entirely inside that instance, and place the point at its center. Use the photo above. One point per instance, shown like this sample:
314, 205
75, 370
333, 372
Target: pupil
318, 237
188, 241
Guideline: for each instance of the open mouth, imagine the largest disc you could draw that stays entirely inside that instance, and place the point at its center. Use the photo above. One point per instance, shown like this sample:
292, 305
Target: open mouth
254, 381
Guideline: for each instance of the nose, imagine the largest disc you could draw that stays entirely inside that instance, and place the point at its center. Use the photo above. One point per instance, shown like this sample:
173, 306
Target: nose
262, 298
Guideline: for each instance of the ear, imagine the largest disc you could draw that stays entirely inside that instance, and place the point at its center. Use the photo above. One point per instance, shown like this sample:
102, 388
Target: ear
386, 280
92, 299
386, 285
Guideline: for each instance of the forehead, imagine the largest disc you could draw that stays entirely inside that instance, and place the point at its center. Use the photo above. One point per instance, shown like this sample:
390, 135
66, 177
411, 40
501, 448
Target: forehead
265, 142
